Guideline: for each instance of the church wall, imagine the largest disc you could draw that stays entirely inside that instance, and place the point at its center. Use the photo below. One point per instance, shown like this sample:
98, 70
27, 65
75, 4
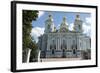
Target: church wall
61, 42
70, 39
88, 43
44, 42
59, 54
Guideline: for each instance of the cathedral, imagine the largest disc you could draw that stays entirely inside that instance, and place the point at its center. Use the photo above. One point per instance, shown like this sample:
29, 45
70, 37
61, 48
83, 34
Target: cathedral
62, 42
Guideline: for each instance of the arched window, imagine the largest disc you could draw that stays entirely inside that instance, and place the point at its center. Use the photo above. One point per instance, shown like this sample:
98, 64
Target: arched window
74, 51
73, 42
63, 45
79, 27
53, 52
50, 47
53, 42
63, 41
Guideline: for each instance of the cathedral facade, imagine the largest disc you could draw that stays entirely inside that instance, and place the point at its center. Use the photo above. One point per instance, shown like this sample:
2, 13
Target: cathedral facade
58, 43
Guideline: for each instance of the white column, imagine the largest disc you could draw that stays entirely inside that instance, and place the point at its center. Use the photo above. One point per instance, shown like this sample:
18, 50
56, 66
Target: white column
47, 44
28, 56
66, 43
60, 44
39, 56
56, 43
78, 43
61, 41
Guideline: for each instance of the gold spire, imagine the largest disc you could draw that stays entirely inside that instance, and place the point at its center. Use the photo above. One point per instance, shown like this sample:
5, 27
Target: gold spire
77, 16
50, 15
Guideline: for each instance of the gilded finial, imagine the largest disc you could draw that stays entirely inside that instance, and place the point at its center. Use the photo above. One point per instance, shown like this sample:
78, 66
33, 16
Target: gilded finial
77, 17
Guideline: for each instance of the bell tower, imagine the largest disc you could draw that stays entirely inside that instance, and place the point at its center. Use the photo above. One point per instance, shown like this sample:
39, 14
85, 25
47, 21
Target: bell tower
78, 24
49, 25
64, 25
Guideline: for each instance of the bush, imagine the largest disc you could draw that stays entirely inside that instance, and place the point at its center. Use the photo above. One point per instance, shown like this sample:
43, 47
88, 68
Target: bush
86, 54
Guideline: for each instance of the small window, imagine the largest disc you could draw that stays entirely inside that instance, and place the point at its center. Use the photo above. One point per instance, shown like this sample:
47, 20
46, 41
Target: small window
79, 26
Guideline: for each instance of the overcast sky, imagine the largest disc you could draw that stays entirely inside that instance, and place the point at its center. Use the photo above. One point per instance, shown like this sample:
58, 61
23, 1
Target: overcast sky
57, 17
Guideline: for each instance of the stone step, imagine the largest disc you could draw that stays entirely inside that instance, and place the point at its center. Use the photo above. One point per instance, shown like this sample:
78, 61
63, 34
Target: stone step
59, 59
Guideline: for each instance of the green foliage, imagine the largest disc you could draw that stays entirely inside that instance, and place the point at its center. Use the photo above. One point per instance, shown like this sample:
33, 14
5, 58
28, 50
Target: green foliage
86, 54
32, 45
34, 53
28, 16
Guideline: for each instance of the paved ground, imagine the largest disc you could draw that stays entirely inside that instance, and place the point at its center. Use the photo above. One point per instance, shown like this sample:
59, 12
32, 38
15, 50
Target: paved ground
59, 59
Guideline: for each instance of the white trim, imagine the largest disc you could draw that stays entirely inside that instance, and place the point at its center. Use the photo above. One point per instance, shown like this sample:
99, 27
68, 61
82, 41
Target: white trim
21, 65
